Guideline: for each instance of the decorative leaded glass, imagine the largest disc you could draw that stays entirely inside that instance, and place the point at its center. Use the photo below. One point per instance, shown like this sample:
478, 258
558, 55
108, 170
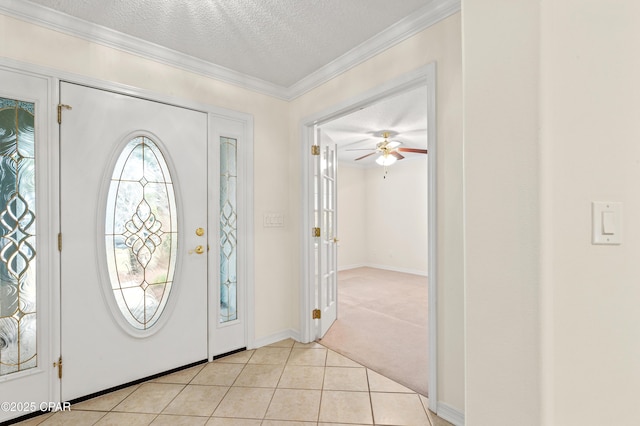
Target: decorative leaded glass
141, 232
228, 230
17, 237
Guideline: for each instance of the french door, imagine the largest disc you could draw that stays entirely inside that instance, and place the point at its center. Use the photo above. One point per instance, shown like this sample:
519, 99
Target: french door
325, 241
134, 235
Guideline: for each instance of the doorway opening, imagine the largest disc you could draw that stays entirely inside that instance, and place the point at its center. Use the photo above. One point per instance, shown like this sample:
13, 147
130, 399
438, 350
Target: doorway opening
376, 116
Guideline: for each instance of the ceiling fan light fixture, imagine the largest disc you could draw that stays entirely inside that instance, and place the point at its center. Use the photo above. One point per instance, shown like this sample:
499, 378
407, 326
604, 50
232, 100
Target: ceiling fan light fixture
386, 160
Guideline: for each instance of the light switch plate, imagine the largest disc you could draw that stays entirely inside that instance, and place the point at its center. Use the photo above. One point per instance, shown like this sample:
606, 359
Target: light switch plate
607, 222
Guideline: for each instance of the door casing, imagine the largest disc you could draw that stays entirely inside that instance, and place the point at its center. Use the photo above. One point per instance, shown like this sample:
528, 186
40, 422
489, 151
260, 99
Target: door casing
423, 76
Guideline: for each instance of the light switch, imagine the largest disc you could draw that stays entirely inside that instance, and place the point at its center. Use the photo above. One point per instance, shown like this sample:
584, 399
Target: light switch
607, 222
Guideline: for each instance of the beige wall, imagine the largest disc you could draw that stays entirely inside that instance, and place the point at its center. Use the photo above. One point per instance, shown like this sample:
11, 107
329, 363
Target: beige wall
552, 102
352, 217
382, 218
590, 96
500, 51
277, 176
440, 43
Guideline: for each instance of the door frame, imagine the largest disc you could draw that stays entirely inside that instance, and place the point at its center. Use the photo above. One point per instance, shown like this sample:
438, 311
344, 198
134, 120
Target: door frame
423, 76
47, 193
53, 172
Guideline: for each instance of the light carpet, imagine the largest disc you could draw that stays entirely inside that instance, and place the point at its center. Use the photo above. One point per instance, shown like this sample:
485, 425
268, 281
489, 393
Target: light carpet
382, 324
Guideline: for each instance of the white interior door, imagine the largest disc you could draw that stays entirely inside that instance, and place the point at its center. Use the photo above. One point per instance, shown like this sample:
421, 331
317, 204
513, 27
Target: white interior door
134, 238
325, 245
27, 377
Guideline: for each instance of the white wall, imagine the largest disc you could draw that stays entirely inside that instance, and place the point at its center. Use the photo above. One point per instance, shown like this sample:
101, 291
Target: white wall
590, 95
382, 218
552, 102
352, 217
440, 43
500, 78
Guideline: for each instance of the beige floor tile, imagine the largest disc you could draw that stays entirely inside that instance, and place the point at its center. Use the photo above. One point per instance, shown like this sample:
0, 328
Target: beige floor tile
340, 424
379, 383
294, 404
33, 421
239, 358
270, 355
221, 421
345, 407
196, 400
180, 377
346, 379
247, 403
259, 376
312, 345
287, 343
170, 420
129, 419
334, 359
312, 357
302, 377
398, 409
149, 398
105, 402
218, 374
73, 418
287, 423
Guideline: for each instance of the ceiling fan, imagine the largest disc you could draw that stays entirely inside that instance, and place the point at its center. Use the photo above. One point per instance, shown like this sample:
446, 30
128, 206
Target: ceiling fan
389, 151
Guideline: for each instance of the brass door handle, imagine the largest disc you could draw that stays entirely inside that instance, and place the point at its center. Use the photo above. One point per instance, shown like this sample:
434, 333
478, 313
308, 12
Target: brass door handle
335, 240
199, 250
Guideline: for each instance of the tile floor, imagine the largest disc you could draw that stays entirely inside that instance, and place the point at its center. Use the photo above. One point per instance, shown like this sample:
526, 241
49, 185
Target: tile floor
287, 384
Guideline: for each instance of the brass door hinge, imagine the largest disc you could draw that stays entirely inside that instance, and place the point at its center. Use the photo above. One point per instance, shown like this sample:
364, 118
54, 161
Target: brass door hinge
59, 365
317, 314
60, 106
60, 241
315, 232
315, 149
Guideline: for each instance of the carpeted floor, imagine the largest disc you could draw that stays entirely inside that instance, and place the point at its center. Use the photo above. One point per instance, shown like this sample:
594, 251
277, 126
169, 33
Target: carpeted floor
382, 324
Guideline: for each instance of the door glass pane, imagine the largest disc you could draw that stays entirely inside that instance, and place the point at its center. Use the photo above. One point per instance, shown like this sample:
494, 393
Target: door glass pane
228, 230
17, 237
141, 233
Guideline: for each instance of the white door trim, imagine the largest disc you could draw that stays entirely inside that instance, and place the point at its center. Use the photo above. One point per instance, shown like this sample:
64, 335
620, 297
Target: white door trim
425, 75
48, 280
213, 111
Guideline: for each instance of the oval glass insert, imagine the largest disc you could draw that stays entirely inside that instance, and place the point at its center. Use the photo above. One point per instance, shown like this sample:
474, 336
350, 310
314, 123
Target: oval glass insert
141, 233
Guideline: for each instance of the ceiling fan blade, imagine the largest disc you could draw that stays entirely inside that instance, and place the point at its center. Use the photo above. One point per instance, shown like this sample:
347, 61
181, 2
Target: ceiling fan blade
416, 150
397, 155
365, 156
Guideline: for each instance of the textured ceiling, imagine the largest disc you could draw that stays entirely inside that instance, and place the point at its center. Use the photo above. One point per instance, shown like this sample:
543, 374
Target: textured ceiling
278, 41
404, 116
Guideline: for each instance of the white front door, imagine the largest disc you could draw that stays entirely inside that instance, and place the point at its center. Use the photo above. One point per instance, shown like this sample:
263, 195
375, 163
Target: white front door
134, 238
27, 376
325, 245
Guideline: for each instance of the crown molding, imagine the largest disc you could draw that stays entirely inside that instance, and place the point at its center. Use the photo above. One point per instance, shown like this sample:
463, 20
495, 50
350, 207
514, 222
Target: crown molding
427, 16
42, 16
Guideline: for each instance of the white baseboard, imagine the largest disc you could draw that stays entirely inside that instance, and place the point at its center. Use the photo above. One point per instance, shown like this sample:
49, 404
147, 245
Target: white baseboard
354, 266
277, 337
384, 267
450, 414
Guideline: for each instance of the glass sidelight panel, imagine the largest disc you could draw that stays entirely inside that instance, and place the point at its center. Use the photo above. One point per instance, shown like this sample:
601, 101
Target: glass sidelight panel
228, 230
141, 233
17, 237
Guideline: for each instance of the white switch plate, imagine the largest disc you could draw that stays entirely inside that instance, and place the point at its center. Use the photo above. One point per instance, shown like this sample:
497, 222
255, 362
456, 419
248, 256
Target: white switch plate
607, 222
273, 220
